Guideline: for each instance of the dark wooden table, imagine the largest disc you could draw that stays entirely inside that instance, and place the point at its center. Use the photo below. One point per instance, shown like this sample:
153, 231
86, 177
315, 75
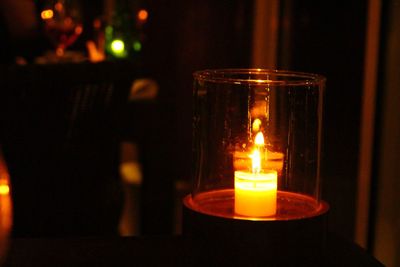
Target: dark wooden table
156, 251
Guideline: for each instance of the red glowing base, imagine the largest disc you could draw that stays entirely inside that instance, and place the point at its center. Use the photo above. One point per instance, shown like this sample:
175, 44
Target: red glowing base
294, 236
290, 206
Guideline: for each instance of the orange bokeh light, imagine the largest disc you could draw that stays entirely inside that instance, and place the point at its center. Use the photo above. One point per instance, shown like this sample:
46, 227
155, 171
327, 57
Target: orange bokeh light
60, 52
68, 21
97, 24
59, 6
143, 15
78, 30
47, 14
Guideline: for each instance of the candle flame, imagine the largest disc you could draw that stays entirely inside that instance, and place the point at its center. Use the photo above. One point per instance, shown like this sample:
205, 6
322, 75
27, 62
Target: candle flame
259, 140
256, 161
256, 155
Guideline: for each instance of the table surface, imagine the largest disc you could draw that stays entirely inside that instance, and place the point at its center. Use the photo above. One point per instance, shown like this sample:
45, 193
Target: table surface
151, 251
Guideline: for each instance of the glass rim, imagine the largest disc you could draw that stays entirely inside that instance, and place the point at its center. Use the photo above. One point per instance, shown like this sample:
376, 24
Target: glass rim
292, 78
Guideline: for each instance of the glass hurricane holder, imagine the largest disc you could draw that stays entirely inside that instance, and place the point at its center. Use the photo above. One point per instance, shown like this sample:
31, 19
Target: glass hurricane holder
256, 143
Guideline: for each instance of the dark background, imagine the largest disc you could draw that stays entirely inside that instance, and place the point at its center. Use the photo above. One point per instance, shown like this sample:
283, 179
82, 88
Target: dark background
320, 37
323, 37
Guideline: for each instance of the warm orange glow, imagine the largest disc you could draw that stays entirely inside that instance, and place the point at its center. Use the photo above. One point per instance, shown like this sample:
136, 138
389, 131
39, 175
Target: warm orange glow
95, 54
255, 161
78, 29
256, 125
256, 191
60, 52
274, 161
256, 155
143, 14
5, 213
59, 7
68, 21
258, 182
97, 24
47, 14
4, 189
259, 140
5, 207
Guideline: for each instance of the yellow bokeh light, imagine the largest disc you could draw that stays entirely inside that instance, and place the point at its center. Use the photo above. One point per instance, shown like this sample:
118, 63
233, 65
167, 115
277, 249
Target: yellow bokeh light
4, 189
118, 46
47, 14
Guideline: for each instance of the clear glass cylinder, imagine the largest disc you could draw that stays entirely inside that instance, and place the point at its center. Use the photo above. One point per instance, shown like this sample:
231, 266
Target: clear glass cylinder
256, 144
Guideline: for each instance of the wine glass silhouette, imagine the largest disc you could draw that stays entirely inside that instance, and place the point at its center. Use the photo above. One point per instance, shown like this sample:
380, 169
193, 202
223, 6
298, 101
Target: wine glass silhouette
62, 23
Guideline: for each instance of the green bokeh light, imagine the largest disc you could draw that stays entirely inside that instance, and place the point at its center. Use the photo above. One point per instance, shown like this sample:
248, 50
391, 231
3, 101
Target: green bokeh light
137, 46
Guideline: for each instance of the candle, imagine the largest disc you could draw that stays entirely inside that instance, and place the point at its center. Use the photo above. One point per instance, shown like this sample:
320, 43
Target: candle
255, 191
5, 208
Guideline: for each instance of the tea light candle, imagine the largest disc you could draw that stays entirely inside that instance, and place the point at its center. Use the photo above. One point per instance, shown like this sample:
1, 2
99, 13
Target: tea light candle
255, 191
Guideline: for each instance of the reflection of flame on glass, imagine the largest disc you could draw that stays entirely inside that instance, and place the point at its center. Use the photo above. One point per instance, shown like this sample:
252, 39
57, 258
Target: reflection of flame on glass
256, 125
47, 14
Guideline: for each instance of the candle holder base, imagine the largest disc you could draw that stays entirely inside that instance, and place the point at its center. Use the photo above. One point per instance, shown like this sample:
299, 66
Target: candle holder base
278, 242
